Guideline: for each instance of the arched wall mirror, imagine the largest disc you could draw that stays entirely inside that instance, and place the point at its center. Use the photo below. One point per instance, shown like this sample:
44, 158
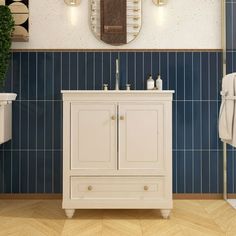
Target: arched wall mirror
116, 22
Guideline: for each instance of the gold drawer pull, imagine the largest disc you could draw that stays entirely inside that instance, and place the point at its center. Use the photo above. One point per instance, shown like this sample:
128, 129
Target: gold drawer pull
145, 188
113, 117
122, 117
90, 188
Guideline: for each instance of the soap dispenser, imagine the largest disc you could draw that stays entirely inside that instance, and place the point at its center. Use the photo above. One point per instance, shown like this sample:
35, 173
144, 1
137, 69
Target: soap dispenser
150, 83
159, 83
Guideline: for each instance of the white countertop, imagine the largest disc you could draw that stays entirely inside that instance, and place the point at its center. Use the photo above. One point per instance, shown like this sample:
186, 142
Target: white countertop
117, 91
8, 96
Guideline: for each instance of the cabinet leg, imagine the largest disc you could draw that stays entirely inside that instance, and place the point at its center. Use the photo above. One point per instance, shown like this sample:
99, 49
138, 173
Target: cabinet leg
165, 213
69, 213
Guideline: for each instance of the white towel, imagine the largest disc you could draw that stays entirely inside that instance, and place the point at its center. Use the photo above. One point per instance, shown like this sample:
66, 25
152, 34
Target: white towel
227, 116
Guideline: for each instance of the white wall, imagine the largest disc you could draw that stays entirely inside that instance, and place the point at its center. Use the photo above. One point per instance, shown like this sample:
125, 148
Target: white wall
181, 24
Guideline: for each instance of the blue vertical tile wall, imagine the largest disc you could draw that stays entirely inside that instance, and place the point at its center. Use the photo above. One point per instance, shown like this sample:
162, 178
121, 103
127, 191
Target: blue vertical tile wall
32, 161
231, 67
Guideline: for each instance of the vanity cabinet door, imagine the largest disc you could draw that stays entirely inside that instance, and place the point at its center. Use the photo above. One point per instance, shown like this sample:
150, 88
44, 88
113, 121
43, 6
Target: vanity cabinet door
93, 136
141, 141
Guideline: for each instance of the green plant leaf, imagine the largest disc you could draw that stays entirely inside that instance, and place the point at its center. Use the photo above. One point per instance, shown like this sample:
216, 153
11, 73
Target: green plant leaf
6, 29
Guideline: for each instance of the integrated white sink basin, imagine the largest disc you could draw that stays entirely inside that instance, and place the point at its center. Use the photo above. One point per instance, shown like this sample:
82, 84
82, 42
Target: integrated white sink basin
6, 116
118, 91
141, 95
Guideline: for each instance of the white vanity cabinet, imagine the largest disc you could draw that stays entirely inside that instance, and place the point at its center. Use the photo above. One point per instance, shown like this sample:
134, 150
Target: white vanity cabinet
117, 150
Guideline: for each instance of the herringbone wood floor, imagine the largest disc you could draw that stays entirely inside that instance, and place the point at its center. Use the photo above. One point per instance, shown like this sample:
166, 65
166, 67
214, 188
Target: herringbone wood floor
189, 217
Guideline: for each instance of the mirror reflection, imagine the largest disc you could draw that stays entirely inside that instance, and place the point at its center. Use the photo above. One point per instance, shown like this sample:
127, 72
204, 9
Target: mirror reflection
116, 22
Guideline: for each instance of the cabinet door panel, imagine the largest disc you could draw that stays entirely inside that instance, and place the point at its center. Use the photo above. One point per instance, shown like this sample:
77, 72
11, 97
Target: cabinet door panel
141, 136
93, 136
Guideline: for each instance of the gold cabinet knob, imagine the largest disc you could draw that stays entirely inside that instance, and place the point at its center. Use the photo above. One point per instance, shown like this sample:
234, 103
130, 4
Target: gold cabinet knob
90, 188
145, 188
122, 117
113, 117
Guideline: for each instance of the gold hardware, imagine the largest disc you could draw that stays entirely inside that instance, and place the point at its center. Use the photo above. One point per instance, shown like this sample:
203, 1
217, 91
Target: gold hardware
113, 117
136, 26
145, 188
90, 188
122, 117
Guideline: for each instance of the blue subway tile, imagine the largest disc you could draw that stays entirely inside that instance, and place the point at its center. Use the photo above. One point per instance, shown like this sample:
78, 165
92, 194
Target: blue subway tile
139, 71
57, 155
188, 76
49, 76
214, 173
41, 81
180, 172
40, 161
155, 64
57, 123
57, 73
205, 86
48, 171
106, 68
24, 118
16, 157
206, 171
172, 71
131, 70
213, 125
123, 70
180, 93
189, 171
163, 69
174, 176
98, 72
7, 157
147, 67
32, 171
73, 72
24, 172
114, 56
230, 171
188, 125
213, 76
197, 171
197, 75
24, 75
180, 130
82, 70
205, 124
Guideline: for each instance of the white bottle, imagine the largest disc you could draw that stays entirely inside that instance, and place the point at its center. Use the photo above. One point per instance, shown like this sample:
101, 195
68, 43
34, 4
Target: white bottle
150, 83
159, 83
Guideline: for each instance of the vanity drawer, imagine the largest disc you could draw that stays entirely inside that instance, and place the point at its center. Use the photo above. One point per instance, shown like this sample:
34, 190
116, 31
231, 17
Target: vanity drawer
135, 188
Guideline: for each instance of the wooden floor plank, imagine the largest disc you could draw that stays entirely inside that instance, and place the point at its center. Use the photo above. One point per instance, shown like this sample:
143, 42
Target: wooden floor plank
45, 217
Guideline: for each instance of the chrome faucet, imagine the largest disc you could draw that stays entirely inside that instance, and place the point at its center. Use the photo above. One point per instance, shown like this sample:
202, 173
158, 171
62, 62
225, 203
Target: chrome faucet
117, 75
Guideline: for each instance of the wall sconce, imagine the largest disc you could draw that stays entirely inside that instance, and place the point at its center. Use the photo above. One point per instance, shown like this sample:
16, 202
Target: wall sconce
159, 2
72, 2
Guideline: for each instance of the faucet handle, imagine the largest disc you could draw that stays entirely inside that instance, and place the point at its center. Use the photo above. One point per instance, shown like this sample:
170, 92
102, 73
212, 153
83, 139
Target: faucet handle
127, 86
105, 86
